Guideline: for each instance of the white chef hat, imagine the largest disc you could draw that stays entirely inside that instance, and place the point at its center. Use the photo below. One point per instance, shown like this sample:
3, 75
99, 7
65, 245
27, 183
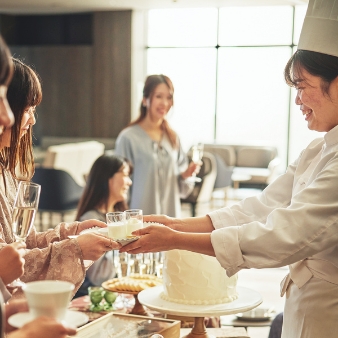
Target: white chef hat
320, 27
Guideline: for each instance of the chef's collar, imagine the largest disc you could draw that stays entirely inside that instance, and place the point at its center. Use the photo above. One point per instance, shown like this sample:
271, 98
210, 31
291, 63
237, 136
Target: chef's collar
331, 137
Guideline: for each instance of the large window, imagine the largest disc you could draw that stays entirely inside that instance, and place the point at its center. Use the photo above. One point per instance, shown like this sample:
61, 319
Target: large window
227, 68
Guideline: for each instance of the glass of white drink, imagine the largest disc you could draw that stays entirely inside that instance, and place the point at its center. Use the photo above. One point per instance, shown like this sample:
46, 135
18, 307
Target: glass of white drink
24, 209
134, 220
116, 223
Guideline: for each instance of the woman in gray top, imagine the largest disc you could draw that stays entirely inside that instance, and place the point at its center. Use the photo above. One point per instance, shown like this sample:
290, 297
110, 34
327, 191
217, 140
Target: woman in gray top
161, 167
106, 190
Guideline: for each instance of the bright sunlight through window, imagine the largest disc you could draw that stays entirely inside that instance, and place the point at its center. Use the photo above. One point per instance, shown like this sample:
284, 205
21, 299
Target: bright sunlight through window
227, 69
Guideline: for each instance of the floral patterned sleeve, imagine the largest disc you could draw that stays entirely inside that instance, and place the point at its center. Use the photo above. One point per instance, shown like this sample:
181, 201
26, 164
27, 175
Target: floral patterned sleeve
51, 255
59, 260
42, 239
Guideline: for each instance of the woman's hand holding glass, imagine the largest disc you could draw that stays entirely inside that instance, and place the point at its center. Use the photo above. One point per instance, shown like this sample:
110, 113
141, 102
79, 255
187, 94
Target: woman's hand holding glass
195, 165
192, 170
24, 211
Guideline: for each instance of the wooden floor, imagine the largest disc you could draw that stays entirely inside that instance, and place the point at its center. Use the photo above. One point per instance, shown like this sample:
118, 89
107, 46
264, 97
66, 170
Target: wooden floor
265, 281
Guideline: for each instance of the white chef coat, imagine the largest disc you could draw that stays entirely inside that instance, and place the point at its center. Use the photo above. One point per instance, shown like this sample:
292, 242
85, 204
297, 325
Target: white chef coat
293, 221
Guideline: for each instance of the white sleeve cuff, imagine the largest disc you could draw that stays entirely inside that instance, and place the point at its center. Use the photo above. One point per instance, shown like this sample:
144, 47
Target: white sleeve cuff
226, 246
221, 219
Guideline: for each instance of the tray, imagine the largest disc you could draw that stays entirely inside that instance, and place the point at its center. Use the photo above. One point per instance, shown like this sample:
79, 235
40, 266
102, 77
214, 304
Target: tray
129, 326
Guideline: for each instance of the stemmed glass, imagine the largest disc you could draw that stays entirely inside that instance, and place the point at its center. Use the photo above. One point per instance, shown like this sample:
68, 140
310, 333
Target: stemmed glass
197, 155
110, 298
24, 210
96, 294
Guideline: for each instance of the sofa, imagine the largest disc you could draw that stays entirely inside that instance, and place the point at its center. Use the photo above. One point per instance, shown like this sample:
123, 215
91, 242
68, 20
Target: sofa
258, 164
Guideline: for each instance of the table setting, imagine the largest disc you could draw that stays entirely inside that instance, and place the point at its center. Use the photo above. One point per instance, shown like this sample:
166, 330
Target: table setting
48, 298
128, 305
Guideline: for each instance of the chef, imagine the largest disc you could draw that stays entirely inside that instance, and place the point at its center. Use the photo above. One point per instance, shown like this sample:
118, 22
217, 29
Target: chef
294, 221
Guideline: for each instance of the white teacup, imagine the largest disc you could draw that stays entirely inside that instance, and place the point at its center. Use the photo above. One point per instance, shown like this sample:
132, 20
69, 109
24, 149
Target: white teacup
48, 298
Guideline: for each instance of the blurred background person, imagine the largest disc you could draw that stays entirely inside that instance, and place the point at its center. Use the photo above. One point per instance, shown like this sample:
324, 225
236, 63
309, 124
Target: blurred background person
161, 167
106, 190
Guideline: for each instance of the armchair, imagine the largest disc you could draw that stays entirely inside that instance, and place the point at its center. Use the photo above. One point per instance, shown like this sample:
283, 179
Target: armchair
59, 192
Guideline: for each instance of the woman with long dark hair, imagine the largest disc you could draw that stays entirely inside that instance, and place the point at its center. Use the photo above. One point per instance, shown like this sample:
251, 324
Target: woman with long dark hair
50, 254
106, 190
160, 165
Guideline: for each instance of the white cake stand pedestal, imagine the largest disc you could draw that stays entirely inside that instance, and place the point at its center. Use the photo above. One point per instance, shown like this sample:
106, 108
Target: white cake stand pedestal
247, 300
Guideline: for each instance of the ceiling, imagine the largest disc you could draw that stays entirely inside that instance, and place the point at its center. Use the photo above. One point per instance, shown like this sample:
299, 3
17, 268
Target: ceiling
69, 6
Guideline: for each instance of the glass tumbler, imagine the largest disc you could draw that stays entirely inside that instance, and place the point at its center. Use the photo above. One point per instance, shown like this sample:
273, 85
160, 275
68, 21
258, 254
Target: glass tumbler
134, 220
116, 223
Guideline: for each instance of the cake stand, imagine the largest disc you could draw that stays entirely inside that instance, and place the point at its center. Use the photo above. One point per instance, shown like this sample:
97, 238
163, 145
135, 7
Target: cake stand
247, 300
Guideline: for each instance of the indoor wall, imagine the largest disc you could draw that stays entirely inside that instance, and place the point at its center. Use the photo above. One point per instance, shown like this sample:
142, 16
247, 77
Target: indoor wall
86, 87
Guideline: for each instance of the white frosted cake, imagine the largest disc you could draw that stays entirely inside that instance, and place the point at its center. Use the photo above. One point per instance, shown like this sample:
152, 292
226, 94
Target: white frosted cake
196, 279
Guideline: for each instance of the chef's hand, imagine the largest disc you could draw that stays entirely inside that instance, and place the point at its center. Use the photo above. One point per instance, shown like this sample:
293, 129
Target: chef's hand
154, 238
170, 222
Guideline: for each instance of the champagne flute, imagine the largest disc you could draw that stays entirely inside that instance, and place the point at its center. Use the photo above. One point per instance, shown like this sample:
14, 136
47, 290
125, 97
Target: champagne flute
197, 152
24, 210
197, 155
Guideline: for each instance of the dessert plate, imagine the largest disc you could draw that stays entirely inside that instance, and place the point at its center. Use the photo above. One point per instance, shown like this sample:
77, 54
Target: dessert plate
257, 315
102, 231
73, 318
95, 229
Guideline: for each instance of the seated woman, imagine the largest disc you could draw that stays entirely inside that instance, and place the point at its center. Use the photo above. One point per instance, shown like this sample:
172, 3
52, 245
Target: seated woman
11, 255
106, 191
50, 254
